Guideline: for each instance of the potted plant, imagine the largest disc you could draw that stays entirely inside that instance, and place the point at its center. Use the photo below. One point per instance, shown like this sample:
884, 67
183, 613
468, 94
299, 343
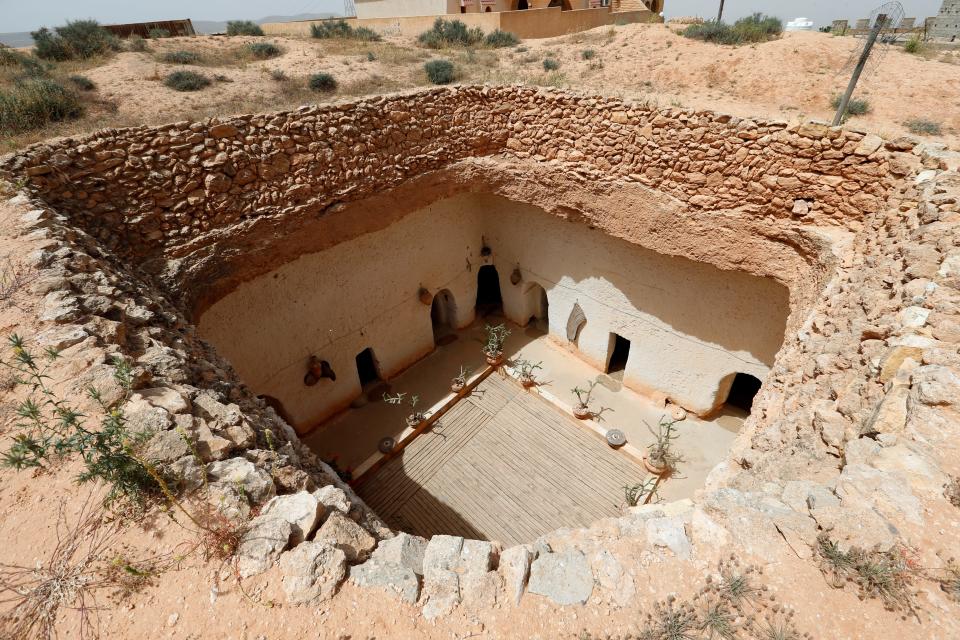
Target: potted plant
493, 347
415, 417
460, 380
525, 371
582, 409
660, 458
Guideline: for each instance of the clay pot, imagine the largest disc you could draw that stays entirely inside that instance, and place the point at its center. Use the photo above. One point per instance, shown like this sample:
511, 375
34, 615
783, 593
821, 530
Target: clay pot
457, 387
528, 382
494, 360
652, 468
582, 413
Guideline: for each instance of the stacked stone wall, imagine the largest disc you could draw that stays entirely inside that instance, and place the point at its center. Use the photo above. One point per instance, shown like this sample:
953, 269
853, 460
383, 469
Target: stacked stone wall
144, 190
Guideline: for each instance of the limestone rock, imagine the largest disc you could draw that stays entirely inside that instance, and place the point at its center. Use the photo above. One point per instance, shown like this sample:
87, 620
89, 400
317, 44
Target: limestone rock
936, 385
610, 575
404, 550
515, 570
165, 447
441, 590
347, 535
301, 510
670, 533
163, 397
563, 577
243, 474
264, 540
333, 498
389, 576
887, 492
312, 572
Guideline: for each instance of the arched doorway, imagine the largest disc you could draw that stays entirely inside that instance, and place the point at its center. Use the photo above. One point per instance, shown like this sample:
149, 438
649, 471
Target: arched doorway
537, 307
443, 316
489, 299
743, 390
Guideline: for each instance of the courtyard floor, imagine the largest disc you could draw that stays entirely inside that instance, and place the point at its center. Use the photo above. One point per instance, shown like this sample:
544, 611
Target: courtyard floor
463, 464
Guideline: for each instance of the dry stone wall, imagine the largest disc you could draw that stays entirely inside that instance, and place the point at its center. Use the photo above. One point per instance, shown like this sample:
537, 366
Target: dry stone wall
145, 190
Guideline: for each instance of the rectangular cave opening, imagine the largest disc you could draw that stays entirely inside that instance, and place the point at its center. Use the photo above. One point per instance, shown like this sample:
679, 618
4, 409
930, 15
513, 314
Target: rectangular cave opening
367, 370
619, 353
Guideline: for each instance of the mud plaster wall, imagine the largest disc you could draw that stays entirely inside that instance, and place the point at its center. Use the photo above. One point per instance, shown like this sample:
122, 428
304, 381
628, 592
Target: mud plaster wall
690, 323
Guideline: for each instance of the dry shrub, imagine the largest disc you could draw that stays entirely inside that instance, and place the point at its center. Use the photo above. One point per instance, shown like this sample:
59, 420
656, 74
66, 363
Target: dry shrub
81, 569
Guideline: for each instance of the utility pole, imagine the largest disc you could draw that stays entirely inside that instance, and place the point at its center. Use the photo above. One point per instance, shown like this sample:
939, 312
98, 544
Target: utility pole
871, 40
720, 13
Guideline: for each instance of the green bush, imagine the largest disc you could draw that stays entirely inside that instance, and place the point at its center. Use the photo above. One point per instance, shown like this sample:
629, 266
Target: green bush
497, 39
30, 66
551, 64
913, 45
49, 428
186, 81
278, 75
263, 50
35, 102
181, 57
924, 127
243, 28
450, 33
136, 43
78, 39
440, 71
754, 28
588, 54
340, 29
856, 106
83, 83
156, 34
323, 82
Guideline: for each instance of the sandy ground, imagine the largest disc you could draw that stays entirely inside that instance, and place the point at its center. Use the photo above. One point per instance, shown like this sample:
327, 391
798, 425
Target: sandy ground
793, 78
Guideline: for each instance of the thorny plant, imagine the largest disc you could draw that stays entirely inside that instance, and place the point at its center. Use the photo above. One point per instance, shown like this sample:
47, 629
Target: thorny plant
81, 567
496, 336
730, 606
640, 493
415, 415
585, 397
49, 428
950, 580
461, 378
887, 575
14, 275
951, 491
661, 453
526, 369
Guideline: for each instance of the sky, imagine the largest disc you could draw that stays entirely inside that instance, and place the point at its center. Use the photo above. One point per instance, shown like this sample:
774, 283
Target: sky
20, 15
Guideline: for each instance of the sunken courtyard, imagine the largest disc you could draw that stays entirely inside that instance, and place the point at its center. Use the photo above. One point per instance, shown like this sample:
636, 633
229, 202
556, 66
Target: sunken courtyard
441, 343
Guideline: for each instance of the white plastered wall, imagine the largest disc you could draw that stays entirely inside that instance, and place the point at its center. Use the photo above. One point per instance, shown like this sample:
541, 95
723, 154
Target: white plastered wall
690, 324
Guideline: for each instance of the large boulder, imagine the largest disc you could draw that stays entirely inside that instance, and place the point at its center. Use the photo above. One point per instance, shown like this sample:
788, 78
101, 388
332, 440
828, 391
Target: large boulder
348, 536
301, 510
563, 577
333, 498
457, 570
261, 544
312, 572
